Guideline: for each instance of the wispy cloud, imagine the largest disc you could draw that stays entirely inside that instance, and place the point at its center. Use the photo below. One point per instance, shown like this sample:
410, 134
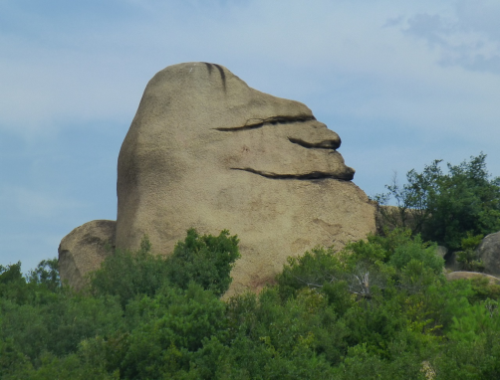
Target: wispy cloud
402, 82
469, 37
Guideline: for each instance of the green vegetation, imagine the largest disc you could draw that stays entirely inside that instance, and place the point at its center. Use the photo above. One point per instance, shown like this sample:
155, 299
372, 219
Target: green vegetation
379, 309
468, 257
205, 260
444, 207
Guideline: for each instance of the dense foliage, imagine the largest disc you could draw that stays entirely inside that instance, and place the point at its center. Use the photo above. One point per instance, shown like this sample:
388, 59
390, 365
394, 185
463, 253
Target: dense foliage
444, 206
206, 260
379, 309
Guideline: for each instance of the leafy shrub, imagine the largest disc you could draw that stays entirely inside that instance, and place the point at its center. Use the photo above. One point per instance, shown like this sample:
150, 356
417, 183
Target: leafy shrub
171, 325
468, 258
418, 251
482, 289
380, 308
465, 359
12, 283
206, 260
128, 274
38, 317
46, 274
74, 367
43, 325
314, 269
444, 206
361, 364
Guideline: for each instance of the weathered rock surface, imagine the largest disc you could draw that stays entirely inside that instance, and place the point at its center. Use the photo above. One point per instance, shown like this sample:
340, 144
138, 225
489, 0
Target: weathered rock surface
83, 250
489, 252
206, 151
463, 275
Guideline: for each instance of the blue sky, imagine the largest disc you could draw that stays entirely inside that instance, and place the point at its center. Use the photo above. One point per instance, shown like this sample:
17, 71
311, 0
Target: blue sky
402, 83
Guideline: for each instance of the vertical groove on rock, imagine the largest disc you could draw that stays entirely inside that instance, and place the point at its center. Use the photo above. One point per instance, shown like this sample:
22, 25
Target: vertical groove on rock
221, 71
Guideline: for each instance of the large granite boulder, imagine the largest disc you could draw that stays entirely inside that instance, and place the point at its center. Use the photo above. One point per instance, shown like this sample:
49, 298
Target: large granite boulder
489, 253
84, 249
207, 151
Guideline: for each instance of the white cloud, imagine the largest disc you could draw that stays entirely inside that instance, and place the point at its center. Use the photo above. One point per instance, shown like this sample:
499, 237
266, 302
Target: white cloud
402, 82
52, 74
469, 37
340, 57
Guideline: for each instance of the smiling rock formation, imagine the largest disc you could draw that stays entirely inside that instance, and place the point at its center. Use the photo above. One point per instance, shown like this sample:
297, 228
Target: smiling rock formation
206, 151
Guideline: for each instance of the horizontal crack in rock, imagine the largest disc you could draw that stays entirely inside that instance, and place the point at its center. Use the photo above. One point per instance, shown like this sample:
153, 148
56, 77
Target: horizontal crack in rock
258, 123
325, 144
305, 176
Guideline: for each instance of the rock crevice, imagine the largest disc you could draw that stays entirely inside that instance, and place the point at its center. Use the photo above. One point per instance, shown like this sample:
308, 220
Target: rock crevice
325, 144
258, 123
304, 176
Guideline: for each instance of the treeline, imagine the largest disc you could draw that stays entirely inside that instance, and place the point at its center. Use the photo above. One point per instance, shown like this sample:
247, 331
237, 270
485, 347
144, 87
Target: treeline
378, 309
447, 206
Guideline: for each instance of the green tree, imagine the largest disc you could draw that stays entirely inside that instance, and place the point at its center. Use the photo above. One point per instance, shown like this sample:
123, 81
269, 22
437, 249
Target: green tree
468, 257
444, 206
127, 274
47, 274
379, 309
166, 329
206, 260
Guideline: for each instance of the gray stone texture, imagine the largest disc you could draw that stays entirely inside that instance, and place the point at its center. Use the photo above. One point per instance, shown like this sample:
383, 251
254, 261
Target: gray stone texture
489, 252
84, 249
207, 151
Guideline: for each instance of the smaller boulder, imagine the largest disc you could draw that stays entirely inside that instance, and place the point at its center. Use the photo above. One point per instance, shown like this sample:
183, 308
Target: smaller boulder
84, 249
463, 275
489, 253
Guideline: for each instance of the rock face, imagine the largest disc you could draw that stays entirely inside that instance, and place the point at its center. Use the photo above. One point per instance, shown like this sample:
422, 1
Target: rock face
489, 252
83, 250
206, 151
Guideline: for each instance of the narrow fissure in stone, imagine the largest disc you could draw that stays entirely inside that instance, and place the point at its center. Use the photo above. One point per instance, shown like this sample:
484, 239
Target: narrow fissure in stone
258, 123
305, 176
325, 144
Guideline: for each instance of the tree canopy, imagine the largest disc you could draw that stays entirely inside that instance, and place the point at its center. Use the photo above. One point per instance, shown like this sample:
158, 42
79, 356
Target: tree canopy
378, 309
443, 206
